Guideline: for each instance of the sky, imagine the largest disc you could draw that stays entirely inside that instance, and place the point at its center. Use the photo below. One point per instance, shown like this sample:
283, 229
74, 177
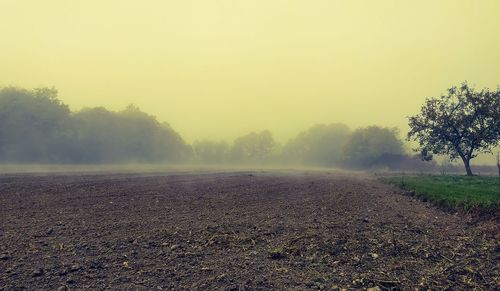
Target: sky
219, 69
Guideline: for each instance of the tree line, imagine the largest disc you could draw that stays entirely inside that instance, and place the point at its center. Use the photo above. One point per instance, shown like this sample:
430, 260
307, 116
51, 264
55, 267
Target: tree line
36, 127
323, 145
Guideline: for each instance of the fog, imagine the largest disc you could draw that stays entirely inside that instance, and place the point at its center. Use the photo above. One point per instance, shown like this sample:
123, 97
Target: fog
36, 127
218, 71
239, 82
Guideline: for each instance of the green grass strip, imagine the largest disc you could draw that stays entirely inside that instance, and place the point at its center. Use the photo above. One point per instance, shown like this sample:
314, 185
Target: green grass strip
457, 192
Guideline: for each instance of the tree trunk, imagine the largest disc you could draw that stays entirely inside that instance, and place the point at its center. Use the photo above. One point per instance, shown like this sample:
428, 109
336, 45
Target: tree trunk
467, 166
498, 163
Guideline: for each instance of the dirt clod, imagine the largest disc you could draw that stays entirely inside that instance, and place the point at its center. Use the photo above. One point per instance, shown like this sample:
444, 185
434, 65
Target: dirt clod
74, 268
37, 272
4, 257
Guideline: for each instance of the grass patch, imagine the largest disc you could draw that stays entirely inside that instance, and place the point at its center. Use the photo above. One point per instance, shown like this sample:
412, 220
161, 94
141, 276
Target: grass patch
456, 192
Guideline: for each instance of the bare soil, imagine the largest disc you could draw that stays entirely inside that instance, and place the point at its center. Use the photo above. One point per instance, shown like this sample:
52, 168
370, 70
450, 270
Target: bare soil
254, 230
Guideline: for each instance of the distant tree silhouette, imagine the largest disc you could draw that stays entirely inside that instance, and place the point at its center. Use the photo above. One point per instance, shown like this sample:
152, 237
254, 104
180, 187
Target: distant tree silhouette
210, 152
460, 124
371, 146
126, 136
36, 127
320, 145
253, 147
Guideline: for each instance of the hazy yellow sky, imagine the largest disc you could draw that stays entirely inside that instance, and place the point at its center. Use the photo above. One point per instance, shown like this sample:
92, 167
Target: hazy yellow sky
217, 69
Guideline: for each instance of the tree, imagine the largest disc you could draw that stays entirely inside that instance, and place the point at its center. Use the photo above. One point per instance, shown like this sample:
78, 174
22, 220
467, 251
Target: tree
461, 124
129, 135
373, 145
253, 147
210, 152
34, 125
320, 145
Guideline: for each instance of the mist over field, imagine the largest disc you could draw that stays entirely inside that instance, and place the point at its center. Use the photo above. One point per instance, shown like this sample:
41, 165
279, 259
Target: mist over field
218, 72
36, 127
235, 82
